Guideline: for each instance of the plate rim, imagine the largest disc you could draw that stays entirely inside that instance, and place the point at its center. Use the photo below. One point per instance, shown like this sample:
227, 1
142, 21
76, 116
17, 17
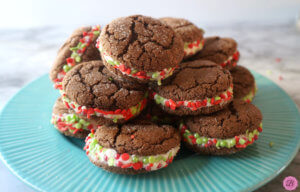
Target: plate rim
254, 187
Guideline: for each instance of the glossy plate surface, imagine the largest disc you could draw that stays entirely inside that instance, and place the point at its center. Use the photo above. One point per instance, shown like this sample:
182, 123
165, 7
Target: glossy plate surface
43, 158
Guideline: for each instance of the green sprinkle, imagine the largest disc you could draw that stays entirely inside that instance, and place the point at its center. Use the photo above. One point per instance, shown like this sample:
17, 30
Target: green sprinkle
96, 32
255, 132
196, 135
164, 158
208, 100
117, 62
133, 110
77, 59
81, 121
250, 136
110, 78
78, 125
271, 143
110, 62
232, 142
134, 71
223, 143
170, 154
74, 48
66, 68
151, 159
115, 120
186, 135
111, 162
68, 118
135, 159
145, 160
242, 141
218, 144
159, 82
199, 141
217, 98
154, 75
158, 158
186, 45
205, 140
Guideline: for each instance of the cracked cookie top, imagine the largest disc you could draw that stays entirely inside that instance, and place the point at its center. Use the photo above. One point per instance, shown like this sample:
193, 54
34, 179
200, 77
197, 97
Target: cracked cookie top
234, 120
243, 81
88, 53
187, 30
90, 84
217, 49
142, 43
138, 139
195, 80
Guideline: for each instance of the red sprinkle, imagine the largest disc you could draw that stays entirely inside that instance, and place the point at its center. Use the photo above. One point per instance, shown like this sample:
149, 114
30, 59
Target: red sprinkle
259, 129
125, 156
132, 136
93, 131
137, 166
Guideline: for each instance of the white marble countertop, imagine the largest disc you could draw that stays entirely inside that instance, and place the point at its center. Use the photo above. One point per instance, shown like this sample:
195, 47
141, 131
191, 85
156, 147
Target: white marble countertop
273, 51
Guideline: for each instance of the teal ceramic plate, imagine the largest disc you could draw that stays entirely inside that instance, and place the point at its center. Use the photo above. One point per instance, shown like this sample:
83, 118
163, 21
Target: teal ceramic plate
48, 161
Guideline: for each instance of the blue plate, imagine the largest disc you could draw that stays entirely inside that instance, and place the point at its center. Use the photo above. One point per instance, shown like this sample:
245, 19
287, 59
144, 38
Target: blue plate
47, 161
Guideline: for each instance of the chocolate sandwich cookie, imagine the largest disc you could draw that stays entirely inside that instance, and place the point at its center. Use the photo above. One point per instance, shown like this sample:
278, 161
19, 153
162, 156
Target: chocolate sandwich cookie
198, 87
140, 48
68, 123
224, 132
191, 35
79, 47
90, 90
133, 148
222, 51
244, 86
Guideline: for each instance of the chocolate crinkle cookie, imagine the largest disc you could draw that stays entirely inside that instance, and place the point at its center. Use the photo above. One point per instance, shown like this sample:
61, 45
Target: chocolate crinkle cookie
224, 132
79, 47
222, 51
133, 148
140, 48
191, 35
197, 87
90, 90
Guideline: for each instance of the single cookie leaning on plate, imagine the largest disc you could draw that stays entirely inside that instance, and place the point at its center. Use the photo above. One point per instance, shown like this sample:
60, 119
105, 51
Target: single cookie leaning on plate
91, 90
140, 48
197, 87
224, 132
191, 35
244, 86
79, 47
222, 51
133, 148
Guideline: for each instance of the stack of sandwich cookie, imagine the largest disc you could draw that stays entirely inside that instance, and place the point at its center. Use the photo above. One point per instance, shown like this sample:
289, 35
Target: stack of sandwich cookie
191, 35
79, 47
126, 87
133, 148
140, 48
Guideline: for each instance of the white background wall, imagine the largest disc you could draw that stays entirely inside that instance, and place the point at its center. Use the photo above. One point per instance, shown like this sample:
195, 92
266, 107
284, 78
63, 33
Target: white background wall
34, 13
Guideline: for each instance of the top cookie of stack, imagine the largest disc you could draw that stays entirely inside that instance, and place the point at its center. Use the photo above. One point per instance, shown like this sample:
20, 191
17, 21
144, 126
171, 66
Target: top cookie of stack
140, 48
